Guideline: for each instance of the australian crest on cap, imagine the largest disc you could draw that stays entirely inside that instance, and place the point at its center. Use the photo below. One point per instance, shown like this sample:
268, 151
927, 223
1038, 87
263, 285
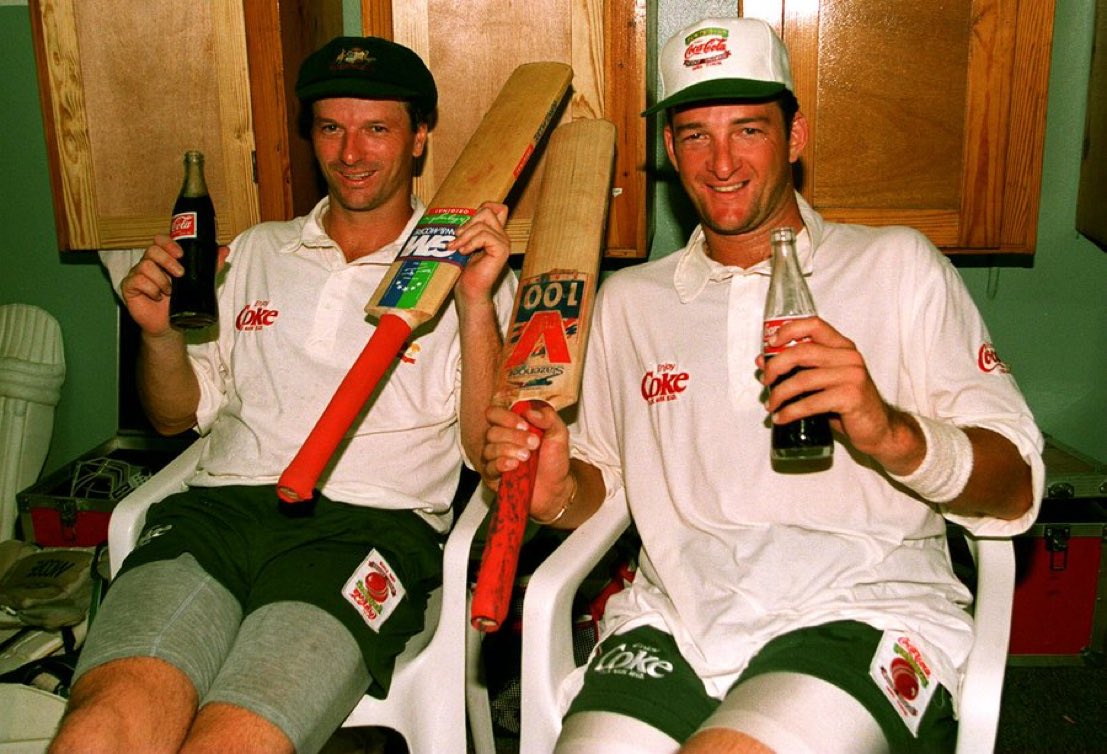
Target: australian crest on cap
353, 57
706, 46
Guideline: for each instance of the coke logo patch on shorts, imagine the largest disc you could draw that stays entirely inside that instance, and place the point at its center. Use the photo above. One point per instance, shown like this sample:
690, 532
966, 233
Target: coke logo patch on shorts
374, 590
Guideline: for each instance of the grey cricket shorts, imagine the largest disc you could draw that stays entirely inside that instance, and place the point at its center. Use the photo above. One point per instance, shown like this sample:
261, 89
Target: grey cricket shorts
210, 559
289, 662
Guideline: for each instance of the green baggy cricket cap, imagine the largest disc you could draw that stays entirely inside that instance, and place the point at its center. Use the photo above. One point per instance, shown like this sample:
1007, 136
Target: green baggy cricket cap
367, 68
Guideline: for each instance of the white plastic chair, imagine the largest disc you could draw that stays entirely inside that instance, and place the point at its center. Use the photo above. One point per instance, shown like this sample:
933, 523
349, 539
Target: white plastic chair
436, 676
548, 648
32, 370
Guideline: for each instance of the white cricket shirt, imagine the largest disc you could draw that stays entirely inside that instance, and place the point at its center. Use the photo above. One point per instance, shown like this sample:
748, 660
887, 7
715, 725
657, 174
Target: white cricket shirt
733, 552
291, 323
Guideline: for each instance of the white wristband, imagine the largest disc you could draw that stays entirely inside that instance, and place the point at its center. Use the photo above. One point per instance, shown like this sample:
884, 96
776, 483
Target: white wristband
947, 466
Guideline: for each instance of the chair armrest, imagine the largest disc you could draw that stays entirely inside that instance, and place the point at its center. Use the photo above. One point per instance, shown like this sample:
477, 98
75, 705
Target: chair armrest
547, 648
129, 513
455, 556
982, 685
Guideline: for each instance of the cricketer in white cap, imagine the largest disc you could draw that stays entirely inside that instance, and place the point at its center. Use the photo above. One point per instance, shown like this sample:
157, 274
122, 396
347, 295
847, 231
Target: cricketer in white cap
723, 58
811, 611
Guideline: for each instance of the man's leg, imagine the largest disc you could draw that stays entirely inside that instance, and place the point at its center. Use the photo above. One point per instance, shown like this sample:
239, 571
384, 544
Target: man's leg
156, 645
293, 675
221, 728
638, 695
813, 690
610, 733
133, 704
788, 712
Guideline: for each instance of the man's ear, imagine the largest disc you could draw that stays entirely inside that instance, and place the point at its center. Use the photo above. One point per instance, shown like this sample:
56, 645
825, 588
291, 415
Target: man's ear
420, 141
668, 132
797, 140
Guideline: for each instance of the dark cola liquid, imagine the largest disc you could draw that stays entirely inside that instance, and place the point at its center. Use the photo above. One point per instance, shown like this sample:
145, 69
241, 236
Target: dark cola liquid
192, 303
803, 439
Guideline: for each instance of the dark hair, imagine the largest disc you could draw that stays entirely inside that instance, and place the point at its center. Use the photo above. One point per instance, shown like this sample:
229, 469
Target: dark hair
789, 106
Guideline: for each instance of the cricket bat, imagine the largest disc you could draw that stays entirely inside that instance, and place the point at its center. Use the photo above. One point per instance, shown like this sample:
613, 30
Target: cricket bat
544, 350
424, 272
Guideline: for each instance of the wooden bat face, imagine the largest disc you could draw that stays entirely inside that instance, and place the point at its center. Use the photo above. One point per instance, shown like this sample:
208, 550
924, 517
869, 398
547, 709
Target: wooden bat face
424, 273
545, 346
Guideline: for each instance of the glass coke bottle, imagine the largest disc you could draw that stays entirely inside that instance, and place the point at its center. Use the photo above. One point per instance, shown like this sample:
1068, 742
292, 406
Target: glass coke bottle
789, 298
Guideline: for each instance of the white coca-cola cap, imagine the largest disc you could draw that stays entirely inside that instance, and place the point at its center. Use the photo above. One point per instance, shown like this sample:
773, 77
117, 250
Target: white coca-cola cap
721, 59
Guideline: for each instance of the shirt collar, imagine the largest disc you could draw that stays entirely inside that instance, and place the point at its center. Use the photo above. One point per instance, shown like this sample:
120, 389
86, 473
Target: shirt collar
313, 236
695, 269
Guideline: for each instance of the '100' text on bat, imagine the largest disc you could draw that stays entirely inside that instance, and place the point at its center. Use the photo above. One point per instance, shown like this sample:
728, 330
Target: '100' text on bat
544, 350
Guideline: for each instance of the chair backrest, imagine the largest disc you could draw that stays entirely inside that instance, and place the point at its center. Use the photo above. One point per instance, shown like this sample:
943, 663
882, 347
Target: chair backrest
548, 650
436, 678
32, 371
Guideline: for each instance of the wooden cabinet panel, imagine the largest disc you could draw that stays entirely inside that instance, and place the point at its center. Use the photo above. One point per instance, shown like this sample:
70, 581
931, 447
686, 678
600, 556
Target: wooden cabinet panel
472, 47
1091, 205
122, 101
924, 114
122, 105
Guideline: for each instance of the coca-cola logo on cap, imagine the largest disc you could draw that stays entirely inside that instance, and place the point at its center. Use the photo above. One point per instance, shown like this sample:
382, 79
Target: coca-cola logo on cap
706, 46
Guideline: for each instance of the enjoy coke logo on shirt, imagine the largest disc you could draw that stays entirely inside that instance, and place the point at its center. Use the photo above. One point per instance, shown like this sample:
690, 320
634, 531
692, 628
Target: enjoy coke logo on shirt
255, 316
663, 383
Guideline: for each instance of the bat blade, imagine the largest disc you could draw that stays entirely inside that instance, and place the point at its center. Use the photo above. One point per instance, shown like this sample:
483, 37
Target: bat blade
423, 274
544, 350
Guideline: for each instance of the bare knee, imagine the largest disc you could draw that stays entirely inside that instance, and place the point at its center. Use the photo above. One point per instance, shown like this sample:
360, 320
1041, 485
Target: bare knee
221, 727
131, 704
723, 741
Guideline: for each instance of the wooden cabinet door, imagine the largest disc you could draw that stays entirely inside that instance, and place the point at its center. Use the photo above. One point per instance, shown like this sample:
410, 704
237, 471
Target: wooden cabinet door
126, 89
472, 47
924, 114
123, 99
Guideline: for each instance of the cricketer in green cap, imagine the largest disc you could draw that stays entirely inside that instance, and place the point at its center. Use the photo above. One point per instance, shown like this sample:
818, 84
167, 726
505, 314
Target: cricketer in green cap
369, 68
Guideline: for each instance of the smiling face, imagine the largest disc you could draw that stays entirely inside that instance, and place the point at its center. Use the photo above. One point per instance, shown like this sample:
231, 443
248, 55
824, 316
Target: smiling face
735, 163
366, 150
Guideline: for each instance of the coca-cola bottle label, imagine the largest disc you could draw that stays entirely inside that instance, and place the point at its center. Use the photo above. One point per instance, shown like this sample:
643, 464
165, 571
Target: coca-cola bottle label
770, 328
184, 225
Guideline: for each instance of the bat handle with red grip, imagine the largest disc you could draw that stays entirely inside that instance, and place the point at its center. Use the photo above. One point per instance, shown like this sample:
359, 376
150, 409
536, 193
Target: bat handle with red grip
507, 524
296, 486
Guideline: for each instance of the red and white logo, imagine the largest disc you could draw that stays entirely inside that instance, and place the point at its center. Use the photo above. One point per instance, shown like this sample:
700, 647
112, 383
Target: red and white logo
665, 382
706, 46
374, 590
411, 351
183, 226
255, 316
988, 360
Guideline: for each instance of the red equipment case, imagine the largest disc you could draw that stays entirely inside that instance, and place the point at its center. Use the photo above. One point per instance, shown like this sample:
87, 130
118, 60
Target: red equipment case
71, 506
1059, 615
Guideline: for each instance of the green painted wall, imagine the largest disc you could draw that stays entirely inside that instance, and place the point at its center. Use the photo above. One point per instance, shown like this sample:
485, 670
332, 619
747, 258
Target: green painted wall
1048, 321
32, 271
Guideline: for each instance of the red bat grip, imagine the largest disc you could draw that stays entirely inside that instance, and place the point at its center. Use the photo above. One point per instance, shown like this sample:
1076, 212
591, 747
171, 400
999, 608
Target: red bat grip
297, 483
507, 524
